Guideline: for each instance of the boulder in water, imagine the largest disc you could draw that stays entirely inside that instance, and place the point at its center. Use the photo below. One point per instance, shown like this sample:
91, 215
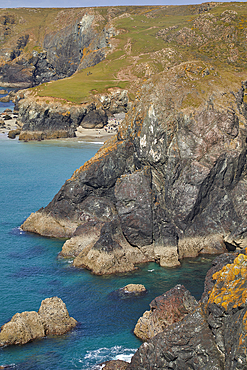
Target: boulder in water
51, 319
55, 316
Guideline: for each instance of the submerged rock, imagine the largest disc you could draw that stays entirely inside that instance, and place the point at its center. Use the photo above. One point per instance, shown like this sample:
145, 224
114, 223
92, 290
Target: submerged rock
134, 288
51, 319
130, 291
113, 365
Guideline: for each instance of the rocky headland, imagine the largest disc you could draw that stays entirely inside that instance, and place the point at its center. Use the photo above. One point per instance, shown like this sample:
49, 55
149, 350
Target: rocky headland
67, 40
213, 336
171, 184
210, 334
52, 318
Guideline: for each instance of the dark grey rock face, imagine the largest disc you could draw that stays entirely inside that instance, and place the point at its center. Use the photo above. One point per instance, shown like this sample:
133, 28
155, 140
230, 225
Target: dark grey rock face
213, 336
95, 182
134, 206
63, 53
95, 119
187, 345
176, 177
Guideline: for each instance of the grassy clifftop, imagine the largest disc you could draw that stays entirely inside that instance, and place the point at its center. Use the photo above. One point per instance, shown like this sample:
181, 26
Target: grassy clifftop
146, 41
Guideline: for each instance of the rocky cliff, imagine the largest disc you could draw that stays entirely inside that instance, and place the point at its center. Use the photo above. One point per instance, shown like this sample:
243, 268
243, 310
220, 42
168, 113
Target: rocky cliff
49, 118
171, 184
100, 50
211, 337
50, 44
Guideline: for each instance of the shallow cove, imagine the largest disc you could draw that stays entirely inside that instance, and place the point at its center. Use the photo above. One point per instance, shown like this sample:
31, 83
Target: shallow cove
31, 174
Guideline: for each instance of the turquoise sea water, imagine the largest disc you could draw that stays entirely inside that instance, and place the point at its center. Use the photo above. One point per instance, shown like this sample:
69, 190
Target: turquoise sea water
30, 175
10, 104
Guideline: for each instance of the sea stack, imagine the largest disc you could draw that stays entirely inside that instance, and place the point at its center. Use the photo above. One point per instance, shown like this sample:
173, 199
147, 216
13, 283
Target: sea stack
51, 319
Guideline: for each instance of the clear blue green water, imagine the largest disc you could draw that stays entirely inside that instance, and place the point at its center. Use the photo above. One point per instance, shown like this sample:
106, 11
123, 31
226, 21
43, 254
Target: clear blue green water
30, 175
10, 104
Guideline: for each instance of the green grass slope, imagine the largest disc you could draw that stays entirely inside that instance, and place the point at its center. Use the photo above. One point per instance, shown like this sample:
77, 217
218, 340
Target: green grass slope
149, 40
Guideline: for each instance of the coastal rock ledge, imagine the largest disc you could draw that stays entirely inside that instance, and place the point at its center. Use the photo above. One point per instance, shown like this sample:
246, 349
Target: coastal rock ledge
213, 336
165, 310
51, 319
171, 184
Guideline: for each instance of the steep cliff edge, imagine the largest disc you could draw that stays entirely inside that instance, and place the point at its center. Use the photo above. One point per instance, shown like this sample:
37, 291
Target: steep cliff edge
211, 337
41, 45
171, 184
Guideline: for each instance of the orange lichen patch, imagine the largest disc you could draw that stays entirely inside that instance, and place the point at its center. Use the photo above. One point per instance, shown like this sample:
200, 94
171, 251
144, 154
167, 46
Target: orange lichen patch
231, 284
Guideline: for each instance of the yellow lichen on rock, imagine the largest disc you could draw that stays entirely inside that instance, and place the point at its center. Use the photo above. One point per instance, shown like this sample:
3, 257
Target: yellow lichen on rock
230, 287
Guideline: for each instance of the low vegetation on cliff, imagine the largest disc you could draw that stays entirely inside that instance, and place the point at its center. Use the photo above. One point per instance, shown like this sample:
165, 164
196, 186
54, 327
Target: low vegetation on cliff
173, 182
126, 45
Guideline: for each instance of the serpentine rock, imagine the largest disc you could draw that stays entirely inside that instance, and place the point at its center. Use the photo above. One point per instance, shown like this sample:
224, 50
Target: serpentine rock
214, 335
51, 319
173, 179
165, 310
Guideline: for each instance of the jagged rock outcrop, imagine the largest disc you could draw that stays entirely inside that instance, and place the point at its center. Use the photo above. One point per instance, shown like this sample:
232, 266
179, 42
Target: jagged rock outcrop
211, 337
51, 319
50, 119
165, 310
75, 45
173, 179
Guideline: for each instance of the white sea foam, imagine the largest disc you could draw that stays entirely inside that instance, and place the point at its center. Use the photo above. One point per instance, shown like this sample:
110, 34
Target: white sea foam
92, 142
93, 358
126, 358
96, 142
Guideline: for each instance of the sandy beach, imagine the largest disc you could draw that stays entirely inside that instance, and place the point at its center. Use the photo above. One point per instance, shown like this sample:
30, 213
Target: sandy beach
7, 125
99, 134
